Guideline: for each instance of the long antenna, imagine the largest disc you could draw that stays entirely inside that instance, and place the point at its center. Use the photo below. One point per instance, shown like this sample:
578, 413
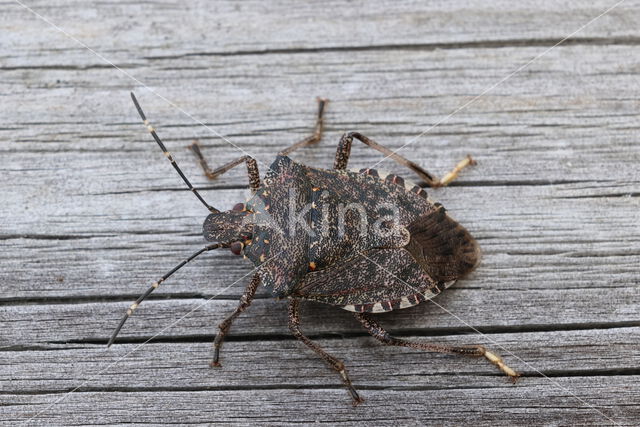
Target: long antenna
168, 155
155, 285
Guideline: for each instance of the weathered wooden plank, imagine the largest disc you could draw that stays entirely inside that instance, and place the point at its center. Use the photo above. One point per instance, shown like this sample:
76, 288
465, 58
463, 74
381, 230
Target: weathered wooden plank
502, 405
485, 309
550, 111
283, 363
553, 113
159, 30
90, 213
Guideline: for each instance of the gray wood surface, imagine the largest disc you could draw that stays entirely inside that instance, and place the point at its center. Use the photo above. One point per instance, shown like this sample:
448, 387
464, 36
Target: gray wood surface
92, 213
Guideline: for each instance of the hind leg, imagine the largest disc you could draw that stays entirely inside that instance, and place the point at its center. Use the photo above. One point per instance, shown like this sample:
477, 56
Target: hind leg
344, 151
335, 363
383, 336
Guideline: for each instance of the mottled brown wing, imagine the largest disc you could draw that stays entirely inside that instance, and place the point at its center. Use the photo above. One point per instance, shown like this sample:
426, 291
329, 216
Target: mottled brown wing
444, 248
376, 280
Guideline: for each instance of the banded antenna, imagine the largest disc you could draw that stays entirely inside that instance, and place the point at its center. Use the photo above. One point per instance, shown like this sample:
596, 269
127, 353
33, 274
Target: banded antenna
168, 155
155, 286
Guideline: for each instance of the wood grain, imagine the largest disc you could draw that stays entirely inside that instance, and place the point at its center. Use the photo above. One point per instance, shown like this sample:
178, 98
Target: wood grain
92, 213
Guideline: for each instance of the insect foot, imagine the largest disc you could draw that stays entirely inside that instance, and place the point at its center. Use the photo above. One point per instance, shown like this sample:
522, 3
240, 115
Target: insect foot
217, 343
497, 360
355, 397
467, 161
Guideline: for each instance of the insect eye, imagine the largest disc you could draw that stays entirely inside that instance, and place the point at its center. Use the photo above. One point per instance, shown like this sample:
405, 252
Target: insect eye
239, 207
236, 248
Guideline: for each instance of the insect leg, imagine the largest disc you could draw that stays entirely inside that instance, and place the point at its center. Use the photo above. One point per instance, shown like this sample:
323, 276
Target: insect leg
383, 336
252, 167
155, 285
245, 301
317, 133
168, 154
344, 151
336, 364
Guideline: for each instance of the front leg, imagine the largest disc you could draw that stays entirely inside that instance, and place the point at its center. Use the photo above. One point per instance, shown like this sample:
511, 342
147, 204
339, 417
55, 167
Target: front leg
245, 301
335, 363
317, 133
252, 167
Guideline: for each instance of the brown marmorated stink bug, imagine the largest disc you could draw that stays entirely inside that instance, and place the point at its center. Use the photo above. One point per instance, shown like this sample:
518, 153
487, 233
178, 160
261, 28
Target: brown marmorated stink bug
363, 241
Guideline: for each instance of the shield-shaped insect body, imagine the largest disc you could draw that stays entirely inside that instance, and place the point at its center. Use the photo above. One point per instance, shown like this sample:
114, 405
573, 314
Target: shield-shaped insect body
363, 241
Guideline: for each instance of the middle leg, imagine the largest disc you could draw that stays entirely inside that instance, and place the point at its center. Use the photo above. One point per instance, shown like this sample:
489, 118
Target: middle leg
383, 336
335, 363
344, 151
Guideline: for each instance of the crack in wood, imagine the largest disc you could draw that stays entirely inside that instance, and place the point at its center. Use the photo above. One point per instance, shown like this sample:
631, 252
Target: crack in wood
479, 44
